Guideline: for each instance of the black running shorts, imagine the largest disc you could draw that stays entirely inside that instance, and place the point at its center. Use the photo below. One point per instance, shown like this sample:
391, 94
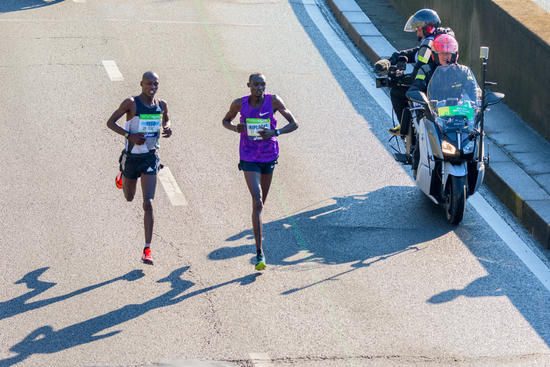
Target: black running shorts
265, 168
134, 165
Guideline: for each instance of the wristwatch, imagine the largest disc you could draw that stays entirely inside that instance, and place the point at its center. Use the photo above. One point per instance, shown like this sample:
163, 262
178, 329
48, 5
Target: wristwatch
277, 132
126, 134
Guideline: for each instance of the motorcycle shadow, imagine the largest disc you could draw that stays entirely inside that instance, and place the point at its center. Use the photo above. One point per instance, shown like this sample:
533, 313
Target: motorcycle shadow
355, 229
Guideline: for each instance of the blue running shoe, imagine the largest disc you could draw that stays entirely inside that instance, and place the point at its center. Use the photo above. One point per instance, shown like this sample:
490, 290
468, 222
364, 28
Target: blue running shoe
260, 262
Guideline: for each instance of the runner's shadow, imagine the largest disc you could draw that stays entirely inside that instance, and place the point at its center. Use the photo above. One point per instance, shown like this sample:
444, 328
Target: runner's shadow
7, 6
19, 304
46, 340
356, 229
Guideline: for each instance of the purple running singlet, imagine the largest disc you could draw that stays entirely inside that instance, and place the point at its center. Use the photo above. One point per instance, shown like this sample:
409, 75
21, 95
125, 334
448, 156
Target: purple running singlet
252, 147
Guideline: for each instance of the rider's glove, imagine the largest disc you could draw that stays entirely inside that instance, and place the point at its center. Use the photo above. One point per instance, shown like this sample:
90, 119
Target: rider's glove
382, 66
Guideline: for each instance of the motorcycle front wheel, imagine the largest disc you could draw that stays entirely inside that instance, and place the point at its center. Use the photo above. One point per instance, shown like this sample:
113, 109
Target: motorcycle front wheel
455, 205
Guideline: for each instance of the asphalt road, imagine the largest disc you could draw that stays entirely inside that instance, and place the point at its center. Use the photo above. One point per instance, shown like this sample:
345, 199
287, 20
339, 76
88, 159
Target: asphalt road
363, 268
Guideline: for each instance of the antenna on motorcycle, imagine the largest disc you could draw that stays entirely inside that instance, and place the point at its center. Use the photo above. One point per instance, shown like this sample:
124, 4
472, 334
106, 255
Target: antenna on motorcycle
484, 55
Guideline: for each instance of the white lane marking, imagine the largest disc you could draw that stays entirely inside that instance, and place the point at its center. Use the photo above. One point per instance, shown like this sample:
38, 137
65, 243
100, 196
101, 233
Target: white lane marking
260, 360
512, 240
112, 70
79, 1
171, 187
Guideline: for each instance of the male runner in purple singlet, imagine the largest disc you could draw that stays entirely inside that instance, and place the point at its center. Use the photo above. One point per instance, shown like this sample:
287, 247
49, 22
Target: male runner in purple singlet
258, 148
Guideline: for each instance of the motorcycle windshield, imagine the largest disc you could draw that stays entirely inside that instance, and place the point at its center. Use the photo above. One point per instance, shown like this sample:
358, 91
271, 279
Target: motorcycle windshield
453, 92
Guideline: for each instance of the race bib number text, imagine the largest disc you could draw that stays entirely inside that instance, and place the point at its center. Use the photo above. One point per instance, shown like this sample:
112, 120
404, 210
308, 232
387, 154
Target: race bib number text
254, 126
149, 125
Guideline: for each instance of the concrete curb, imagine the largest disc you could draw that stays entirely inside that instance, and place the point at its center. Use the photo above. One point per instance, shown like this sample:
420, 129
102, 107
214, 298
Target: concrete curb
510, 183
361, 30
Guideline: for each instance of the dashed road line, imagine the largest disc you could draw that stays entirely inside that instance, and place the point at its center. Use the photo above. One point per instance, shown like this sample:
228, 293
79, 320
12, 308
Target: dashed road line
173, 191
260, 360
112, 70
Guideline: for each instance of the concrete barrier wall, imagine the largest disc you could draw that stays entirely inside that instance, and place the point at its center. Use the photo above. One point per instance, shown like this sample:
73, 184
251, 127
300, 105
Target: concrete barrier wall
519, 57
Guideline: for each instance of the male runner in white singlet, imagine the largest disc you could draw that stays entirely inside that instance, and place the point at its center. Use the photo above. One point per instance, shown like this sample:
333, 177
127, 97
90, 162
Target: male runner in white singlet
145, 116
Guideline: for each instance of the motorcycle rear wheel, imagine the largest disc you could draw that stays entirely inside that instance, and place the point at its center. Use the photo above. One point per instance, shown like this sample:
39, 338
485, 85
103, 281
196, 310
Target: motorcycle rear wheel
455, 205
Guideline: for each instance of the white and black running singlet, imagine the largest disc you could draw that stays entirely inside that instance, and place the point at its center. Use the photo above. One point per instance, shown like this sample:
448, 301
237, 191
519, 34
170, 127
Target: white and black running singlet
148, 120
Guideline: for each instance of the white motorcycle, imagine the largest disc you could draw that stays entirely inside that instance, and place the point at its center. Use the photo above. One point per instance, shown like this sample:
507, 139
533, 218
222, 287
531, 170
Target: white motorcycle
446, 142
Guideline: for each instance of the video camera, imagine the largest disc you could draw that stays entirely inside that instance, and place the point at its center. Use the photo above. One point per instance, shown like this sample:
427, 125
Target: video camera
394, 74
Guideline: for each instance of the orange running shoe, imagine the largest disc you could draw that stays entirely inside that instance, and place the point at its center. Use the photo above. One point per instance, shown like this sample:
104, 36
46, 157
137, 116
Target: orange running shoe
147, 257
118, 180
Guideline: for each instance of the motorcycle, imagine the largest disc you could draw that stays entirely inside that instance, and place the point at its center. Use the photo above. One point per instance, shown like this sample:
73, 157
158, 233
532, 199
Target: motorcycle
445, 142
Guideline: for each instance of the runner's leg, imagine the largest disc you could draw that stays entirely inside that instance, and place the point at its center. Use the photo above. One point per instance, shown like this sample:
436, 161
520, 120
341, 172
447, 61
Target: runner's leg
265, 183
253, 181
129, 187
148, 187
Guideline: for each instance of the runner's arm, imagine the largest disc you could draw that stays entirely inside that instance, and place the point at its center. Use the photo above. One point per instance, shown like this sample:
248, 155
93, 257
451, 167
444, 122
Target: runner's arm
125, 108
230, 115
278, 105
166, 124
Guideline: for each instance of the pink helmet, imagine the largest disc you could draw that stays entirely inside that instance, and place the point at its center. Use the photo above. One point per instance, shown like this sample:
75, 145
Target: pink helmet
445, 43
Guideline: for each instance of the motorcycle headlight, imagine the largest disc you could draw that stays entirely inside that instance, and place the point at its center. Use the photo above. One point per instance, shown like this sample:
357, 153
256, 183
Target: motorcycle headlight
468, 148
448, 149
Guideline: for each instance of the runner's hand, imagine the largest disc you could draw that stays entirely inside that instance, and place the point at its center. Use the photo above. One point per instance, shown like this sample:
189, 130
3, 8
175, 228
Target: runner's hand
137, 139
267, 133
241, 128
166, 132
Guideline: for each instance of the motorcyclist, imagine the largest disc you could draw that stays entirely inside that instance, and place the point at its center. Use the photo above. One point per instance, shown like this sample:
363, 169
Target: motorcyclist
460, 79
445, 53
426, 24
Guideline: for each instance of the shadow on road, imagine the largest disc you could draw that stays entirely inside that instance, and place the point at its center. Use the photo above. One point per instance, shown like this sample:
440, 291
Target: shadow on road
7, 6
357, 229
47, 340
506, 277
19, 304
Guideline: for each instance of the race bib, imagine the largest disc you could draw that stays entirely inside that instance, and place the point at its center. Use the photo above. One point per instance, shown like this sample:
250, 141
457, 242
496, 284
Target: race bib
253, 127
149, 125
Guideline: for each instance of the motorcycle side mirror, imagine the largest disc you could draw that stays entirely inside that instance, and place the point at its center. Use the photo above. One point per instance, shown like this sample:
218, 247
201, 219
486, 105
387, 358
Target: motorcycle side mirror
420, 97
492, 98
